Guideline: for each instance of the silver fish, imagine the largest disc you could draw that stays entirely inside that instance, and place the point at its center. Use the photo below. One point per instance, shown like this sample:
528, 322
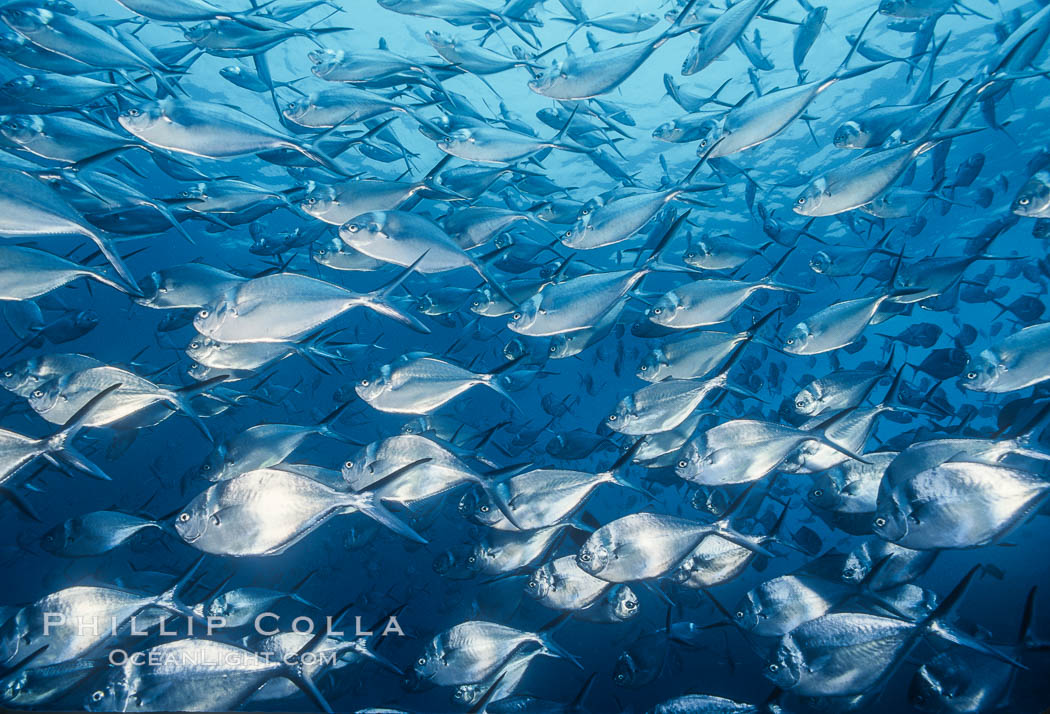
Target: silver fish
1016, 362
957, 504
26, 273
640, 546
418, 383
285, 307
267, 511
474, 650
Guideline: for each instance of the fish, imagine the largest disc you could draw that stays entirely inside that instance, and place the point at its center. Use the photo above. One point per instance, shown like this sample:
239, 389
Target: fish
32, 209
285, 306
540, 498
267, 511
584, 77
957, 504
662, 406
27, 273
60, 399
210, 130
831, 646
263, 446
758, 120
841, 389
745, 450
1012, 364
640, 546
418, 383
684, 245
720, 35
560, 584
94, 533
1033, 200
165, 684
64, 638
711, 301
474, 650
961, 680
694, 355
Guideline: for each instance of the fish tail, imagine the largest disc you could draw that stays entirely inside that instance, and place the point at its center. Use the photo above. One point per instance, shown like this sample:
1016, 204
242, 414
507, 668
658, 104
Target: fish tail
492, 382
170, 600
325, 427
60, 446
379, 300
180, 399
558, 651
106, 247
170, 218
72, 457
619, 480
298, 676
369, 504
315, 153
937, 624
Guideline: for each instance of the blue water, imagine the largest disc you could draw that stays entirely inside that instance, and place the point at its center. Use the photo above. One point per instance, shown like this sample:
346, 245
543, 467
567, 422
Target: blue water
354, 562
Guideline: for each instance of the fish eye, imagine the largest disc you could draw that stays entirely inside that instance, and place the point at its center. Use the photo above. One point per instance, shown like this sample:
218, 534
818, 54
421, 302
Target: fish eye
516, 316
621, 677
818, 492
740, 614
880, 522
195, 345
800, 404
585, 557
630, 605
532, 584
9, 374
612, 417
801, 200
971, 375
657, 310
447, 140
643, 368
321, 251
38, 393
203, 314
471, 560
682, 463
348, 465
1022, 201
421, 661
585, 212
774, 668
97, 695
183, 517
568, 234
311, 201
215, 520
133, 112
790, 340
703, 143
353, 228
206, 467
484, 509
364, 382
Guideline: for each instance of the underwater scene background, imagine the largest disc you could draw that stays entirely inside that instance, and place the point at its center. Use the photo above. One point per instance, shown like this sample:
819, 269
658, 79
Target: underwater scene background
400, 313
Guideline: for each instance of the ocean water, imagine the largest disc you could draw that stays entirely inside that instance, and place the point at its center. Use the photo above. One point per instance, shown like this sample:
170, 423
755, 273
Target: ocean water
349, 562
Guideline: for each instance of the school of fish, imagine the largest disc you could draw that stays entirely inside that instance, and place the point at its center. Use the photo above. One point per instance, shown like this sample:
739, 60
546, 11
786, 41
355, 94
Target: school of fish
533, 377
